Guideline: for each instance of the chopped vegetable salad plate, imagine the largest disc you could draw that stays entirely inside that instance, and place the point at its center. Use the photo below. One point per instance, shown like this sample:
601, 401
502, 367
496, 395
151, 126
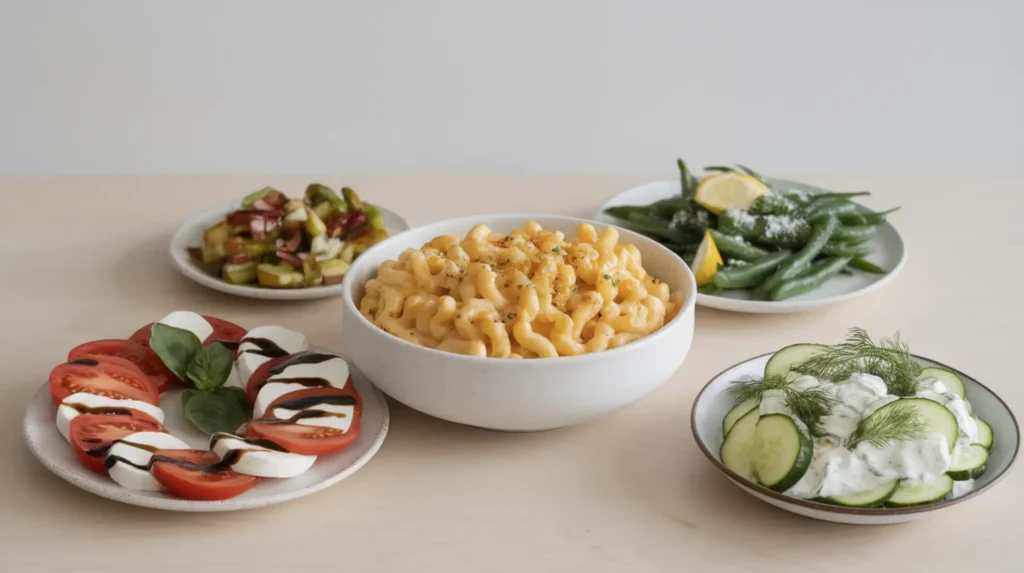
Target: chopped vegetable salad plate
51, 448
886, 247
191, 233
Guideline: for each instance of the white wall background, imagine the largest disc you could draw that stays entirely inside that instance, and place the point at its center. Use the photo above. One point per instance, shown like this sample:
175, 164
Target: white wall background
519, 86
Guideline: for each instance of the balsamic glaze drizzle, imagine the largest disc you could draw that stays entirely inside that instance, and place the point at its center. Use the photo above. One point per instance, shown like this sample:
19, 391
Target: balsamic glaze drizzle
307, 357
306, 410
264, 347
225, 464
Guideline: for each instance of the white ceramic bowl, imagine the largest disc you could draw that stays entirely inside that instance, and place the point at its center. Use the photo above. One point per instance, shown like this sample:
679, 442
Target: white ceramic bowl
714, 401
515, 395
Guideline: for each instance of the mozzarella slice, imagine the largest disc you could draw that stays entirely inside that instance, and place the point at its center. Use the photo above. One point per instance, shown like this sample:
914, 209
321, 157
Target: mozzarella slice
255, 458
337, 416
129, 458
85, 403
190, 321
247, 365
272, 391
288, 341
265, 342
235, 378
334, 371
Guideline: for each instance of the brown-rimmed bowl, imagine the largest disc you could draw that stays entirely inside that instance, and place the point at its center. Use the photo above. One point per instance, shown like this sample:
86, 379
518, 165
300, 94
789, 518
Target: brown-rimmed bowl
714, 401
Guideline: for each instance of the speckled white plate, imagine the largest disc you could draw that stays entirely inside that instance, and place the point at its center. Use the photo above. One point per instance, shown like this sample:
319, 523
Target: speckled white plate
55, 453
889, 253
190, 234
714, 401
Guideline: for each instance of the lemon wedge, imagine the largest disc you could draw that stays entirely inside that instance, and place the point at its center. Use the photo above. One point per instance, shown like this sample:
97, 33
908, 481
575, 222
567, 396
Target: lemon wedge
706, 261
716, 193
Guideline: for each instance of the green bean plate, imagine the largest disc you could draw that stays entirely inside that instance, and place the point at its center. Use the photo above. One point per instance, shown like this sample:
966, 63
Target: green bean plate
860, 258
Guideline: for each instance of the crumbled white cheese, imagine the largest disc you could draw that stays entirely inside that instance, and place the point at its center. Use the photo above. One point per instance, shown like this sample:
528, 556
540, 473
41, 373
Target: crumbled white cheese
781, 226
742, 217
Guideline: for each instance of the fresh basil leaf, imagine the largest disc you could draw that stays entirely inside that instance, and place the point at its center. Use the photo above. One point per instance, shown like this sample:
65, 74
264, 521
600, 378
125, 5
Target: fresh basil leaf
176, 347
237, 394
211, 367
211, 413
186, 396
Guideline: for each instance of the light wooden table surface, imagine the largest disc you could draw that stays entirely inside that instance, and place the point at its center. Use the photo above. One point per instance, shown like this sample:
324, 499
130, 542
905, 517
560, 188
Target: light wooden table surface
86, 258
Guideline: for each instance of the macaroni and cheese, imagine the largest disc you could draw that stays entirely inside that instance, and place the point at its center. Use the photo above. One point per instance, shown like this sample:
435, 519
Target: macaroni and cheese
527, 294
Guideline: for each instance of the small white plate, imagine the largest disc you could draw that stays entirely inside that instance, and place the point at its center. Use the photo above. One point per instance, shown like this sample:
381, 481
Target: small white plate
55, 453
889, 253
714, 401
190, 234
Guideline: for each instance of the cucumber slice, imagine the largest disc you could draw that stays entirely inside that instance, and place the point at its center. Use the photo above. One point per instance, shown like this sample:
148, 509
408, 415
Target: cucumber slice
970, 409
871, 498
781, 453
737, 412
782, 361
984, 433
735, 452
915, 492
936, 417
969, 463
949, 379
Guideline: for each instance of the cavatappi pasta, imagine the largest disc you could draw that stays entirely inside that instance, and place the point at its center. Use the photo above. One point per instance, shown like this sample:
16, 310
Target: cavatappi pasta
527, 294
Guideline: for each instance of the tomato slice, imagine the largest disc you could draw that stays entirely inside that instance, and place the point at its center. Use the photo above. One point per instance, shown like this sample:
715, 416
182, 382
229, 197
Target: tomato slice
142, 335
308, 439
103, 375
223, 331
92, 434
259, 376
141, 356
197, 475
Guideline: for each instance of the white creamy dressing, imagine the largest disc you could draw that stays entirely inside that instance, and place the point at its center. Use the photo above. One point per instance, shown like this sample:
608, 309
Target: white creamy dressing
836, 470
324, 247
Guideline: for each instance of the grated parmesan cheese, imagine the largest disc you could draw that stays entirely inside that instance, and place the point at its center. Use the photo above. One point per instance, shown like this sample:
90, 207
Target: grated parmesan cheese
781, 226
742, 217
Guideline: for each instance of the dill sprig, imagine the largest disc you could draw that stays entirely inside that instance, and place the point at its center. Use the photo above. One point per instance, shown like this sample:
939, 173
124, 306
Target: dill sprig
896, 423
890, 360
809, 405
743, 390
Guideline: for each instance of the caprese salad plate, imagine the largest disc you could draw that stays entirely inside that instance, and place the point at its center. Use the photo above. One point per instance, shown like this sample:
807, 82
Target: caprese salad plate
271, 246
194, 413
837, 270
860, 432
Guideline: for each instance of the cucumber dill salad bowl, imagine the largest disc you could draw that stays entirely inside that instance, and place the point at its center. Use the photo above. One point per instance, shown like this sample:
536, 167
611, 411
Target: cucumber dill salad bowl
764, 245
859, 432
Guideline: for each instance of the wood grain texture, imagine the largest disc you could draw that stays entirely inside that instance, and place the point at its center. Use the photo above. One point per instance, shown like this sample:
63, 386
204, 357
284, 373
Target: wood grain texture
86, 258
